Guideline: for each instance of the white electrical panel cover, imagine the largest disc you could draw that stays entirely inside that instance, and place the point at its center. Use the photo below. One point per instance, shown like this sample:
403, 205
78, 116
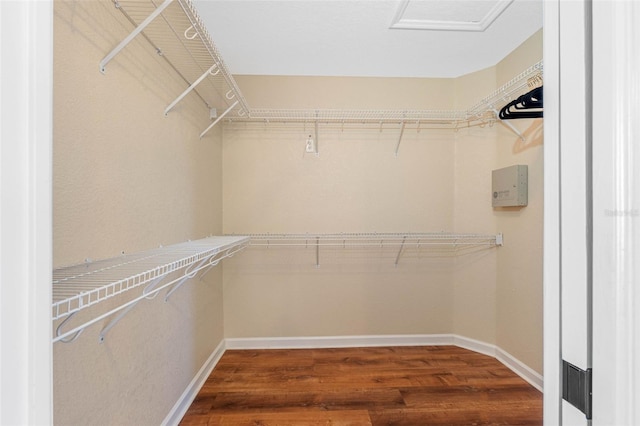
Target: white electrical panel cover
509, 186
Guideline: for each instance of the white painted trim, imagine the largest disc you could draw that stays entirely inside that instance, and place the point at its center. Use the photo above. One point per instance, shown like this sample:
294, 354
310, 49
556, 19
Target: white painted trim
475, 345
338, 341
26, 89
182, 405
521, 369
551, 246
616, 211
518, 367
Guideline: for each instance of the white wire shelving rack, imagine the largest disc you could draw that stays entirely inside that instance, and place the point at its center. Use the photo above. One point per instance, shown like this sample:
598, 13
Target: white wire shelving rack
176, 32
80, 287
481, 112
402, 242
484, 112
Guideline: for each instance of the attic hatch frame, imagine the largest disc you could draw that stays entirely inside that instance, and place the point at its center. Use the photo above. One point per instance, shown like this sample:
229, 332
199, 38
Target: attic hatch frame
174, 30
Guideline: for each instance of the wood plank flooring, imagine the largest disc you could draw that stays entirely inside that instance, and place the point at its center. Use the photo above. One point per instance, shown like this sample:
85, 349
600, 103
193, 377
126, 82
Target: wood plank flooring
427, 385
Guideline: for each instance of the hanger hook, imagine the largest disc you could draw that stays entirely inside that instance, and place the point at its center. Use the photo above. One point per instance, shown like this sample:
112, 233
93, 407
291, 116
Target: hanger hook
192, 36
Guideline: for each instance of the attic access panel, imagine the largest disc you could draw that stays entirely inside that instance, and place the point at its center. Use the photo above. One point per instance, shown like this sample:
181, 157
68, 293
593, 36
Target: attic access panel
452, 15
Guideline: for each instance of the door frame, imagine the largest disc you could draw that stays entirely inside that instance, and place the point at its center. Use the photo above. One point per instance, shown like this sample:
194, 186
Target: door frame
614, 207
26, 91
552, 356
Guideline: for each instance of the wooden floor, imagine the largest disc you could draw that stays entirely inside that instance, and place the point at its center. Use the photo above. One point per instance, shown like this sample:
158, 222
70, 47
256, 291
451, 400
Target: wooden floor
429, 385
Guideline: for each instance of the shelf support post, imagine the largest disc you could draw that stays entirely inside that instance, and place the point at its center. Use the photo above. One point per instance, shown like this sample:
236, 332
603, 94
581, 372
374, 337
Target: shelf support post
227, 111
133, 34
317, 138
400, 137
400, 251
189, 89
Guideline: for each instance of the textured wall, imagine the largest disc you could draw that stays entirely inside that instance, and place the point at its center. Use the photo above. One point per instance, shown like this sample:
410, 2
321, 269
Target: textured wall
126, 178
519, 263
356, 184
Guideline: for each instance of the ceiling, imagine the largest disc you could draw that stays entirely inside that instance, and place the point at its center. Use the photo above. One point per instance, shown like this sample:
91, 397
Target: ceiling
372, 38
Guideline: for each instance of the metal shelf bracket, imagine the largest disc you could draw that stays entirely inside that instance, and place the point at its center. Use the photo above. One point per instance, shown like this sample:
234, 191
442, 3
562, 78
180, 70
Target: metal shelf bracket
400, 137
404, 238
133, 34
220, 117
191, 87
147, 290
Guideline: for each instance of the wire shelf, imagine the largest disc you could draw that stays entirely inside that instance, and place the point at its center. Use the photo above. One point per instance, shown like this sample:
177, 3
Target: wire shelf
175, 30
374, 239
78, 287
400, 242
350, 116
508, 91
483, 111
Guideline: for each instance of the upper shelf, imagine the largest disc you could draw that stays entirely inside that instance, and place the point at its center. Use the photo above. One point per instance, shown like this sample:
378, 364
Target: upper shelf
174, 29
481, 112
176, 32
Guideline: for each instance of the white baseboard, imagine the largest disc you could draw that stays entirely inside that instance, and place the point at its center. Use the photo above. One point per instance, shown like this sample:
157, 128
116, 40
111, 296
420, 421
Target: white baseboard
518, 367
514, 364
339, 341
521, 369
190, 393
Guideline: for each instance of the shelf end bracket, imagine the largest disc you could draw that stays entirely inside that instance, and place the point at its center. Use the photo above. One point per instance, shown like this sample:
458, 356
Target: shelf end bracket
220, 117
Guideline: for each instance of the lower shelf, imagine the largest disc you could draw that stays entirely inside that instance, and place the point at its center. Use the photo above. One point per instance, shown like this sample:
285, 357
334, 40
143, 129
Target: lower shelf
399, 243
78, 287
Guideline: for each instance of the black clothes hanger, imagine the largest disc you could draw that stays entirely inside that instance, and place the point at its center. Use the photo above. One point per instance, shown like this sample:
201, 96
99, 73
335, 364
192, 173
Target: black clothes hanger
528, 105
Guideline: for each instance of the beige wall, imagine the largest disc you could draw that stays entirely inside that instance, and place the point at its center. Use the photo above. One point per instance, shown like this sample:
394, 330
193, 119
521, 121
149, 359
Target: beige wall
519, 263
440, 181
498, 294
126, 178
355, 184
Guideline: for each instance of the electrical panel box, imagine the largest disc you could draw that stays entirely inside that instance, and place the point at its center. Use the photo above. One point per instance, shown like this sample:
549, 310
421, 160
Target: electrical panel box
509, 186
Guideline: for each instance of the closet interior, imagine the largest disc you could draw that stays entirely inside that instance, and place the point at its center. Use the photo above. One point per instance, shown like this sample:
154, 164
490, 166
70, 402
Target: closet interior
337, 213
